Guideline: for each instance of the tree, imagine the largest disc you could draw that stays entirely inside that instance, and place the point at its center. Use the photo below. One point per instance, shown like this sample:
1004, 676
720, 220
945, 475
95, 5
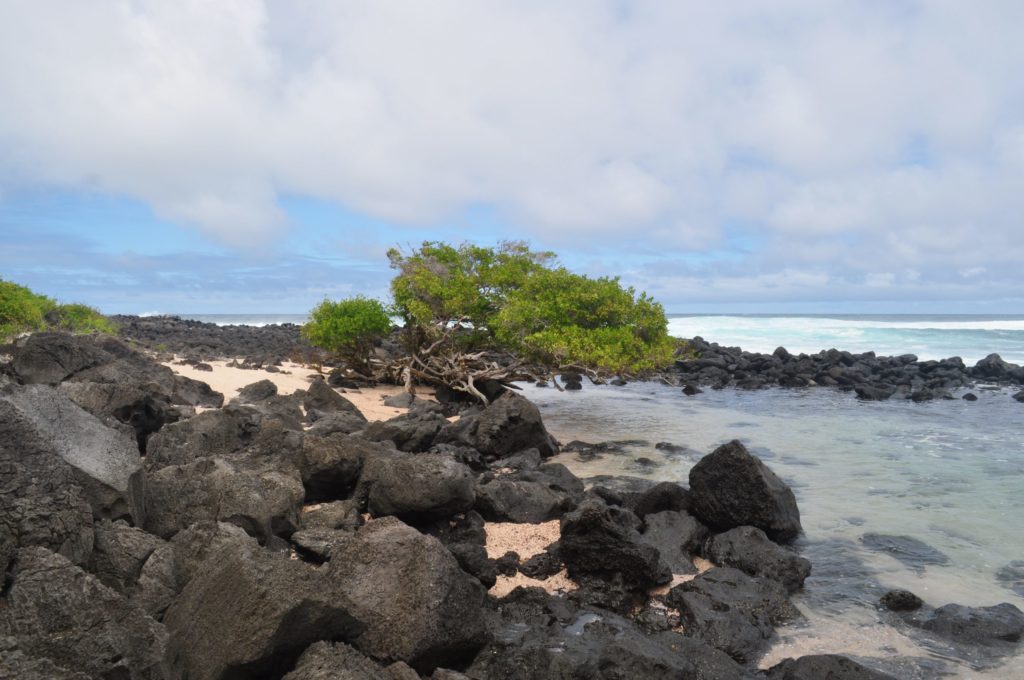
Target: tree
348, 328
440, 285
564, 319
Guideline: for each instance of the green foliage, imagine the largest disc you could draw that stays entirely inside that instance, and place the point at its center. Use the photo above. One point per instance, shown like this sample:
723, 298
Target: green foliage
22, 310
440, 284
564, 318
348, 327
79, 318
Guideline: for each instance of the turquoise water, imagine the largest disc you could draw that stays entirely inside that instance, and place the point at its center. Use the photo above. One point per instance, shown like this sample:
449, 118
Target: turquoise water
929, 337
950, 473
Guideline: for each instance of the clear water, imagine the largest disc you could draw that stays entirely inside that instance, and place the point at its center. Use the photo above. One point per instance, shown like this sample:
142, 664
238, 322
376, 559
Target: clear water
950, 473
929, 337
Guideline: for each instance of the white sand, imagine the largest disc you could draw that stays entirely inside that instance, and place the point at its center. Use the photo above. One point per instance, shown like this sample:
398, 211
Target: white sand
292, 377
526, 540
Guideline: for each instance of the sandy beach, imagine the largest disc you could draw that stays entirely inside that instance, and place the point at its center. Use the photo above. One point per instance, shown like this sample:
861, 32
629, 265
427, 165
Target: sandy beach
292, 377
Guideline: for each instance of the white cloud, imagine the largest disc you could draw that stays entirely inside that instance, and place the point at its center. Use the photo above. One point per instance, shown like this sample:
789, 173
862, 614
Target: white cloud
852, 139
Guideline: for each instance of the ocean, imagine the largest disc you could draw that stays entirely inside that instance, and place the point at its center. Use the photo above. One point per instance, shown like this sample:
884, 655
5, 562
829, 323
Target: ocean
947, 473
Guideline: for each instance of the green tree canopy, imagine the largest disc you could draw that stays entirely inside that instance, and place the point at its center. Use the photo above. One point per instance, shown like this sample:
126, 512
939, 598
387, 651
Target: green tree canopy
440, 284
561, 318
348, 328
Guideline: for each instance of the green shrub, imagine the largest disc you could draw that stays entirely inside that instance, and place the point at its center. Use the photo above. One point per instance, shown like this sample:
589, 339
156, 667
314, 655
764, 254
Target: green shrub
22, 310
563, 318
348, 328
79, 318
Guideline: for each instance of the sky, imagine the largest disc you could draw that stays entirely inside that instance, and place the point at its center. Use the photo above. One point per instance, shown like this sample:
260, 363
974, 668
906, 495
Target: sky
256, 156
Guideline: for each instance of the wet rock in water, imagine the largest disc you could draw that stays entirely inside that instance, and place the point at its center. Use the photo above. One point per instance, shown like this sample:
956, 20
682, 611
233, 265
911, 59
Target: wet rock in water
901, 601
418, 605
41, 422
731, 611
691, 390
675, 534
1019, 396
257, 392
823, 667
603, 541
262, 496
251, 613
119, 553
660, 497
731, 487
981, 636
874, 392
55, 610
970, 396
341, 515
322, 398
591, 644
1012, 576
752, 552
510, 424
910, 551
336, 661
530, 496
993, 367
416, 488
669, 448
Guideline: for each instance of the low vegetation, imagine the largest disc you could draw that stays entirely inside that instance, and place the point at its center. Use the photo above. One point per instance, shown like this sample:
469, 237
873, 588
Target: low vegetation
22, 311
348, 328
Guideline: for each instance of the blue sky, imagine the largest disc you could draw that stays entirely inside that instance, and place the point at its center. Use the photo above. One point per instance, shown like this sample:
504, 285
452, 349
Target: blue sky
249, 156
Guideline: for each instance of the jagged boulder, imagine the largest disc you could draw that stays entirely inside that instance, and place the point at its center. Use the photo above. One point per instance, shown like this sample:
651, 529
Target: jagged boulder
49, 358
752, 552
251, 613
416, 488
731, 611
55, 610
211, 433
119, 553
145, 410
330, 466
730, 488
264, 497
603, 541
39, 421
323, 399
530, 495
336, 661
676, 535
823, 667
417, 604
411, 432
510, 424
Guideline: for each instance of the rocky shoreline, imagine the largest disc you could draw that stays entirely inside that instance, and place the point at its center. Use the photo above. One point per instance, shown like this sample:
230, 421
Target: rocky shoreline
154, 528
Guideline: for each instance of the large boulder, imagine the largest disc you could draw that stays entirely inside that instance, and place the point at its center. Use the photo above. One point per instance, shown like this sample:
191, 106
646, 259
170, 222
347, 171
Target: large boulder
417, 604
529, 496
331, 465
55, 610
912, 552
211, 433
264, 497
14, 663
993, 367
49, 358
603, 541
37, 420
510, 424
676, 535
823, 667
171, 566
250, 613
323, 399
336, 661
730, 487
416, 488
731, 611
540, 636
752, 552
996, 626
412, 432
119, 553
144, 410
